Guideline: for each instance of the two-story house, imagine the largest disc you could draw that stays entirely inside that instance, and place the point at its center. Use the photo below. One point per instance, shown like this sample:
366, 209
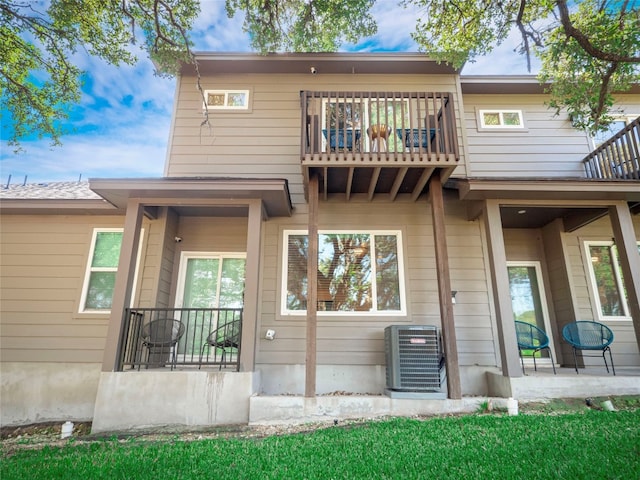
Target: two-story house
417, 197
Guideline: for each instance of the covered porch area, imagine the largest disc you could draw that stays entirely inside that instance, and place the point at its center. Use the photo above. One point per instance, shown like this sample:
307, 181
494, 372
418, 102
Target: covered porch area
548, 235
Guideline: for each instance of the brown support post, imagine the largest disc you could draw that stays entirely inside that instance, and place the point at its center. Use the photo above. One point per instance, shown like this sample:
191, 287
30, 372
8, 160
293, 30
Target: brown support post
250, 309
312, 290
124, 283
444, 288
501, 292
626, 242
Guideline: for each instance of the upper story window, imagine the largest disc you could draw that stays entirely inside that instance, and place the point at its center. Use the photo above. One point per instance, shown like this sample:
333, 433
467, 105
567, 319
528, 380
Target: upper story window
501, 119
618, 124
227, 99
358, 273
606, 280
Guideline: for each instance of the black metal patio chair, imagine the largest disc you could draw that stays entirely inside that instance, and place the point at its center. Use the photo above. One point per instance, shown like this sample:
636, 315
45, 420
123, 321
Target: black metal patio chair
590, 336
161, 337
532, 339
225, 337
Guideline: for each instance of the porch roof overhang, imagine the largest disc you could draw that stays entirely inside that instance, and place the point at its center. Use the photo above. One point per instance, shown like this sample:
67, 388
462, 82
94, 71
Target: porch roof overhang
546, 189
198, 191
533, 203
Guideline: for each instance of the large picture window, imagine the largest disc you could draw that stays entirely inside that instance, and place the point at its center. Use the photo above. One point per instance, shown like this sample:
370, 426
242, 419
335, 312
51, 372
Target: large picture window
607, 280
358, 272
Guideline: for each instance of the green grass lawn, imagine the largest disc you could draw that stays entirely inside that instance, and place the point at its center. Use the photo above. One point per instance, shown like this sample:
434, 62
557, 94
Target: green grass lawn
582, 445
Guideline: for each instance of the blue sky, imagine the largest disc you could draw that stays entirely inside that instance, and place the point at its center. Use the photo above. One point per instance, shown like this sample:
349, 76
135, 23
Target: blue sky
121, 127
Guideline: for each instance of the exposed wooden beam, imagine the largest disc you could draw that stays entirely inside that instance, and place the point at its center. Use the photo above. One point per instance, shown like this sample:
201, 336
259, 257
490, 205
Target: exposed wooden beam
397, 183
123, 287
502, 298
373, 182
312, 291
444, 288
474, 210
424, 178
349, 182
325, 186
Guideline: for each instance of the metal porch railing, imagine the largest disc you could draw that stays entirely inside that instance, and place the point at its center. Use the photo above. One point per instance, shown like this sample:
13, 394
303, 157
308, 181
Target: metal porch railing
174, 337
618, 157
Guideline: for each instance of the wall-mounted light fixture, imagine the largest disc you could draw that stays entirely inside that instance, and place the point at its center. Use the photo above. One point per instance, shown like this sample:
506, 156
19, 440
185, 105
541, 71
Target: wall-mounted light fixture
453, 296
270, 334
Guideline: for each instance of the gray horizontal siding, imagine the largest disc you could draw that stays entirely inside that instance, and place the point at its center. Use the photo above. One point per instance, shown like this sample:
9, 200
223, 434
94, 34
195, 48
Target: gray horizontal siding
351, 340
265, 142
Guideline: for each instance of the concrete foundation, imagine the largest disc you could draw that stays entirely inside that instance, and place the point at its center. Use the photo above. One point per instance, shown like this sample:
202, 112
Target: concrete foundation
544, 385
289, 409
145, 399
47, 392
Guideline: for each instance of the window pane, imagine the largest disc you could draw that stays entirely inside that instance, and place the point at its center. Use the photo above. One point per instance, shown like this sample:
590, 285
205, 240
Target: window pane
215, 99
610, 299
344, 269
511, 118
491, 118
387, 278
107, 250
345, 273
237, 99
297, 272
100, 292
201, 283
232, 283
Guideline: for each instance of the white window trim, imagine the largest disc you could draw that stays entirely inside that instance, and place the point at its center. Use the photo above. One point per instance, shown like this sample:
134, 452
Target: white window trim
383, 313
226, 93
89, 270
593, 285
502, 125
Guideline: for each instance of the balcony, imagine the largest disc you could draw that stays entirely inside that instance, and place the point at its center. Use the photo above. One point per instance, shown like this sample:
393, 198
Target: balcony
180, 337
618, 158
377, 143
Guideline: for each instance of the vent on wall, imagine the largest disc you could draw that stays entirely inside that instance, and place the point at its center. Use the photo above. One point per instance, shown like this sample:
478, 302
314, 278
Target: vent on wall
415, 362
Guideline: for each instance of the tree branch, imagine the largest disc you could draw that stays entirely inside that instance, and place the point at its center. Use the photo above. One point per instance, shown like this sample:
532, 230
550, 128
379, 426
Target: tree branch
584, 41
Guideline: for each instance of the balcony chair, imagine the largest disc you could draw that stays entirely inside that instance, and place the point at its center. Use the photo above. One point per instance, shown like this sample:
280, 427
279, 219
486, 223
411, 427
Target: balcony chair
416, 137
160, 338
225, 337
341, 139
587, 335
530, 337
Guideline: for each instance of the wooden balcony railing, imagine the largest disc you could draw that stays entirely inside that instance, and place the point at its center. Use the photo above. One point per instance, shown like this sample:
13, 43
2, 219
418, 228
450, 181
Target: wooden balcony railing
379, 127
618, 157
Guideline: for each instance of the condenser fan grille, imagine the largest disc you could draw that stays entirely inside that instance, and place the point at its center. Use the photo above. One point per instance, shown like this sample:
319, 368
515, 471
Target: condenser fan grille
414, 358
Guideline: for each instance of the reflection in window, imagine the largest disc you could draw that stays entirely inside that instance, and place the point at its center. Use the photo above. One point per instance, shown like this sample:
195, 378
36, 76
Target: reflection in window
102, 270
607, 278
357, 272
227, 99
501, 119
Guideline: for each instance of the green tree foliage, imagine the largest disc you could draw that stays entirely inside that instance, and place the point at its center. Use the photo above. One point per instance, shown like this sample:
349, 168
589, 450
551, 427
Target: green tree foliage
304, 25
588, 49
38, 77
587, 52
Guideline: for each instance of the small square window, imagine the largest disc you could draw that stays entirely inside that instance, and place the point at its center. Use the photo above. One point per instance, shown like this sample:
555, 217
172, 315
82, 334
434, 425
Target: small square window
227, 99
501, 119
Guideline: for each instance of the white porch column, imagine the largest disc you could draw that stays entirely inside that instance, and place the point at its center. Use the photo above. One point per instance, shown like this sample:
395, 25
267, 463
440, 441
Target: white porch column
122, 290
502, 297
